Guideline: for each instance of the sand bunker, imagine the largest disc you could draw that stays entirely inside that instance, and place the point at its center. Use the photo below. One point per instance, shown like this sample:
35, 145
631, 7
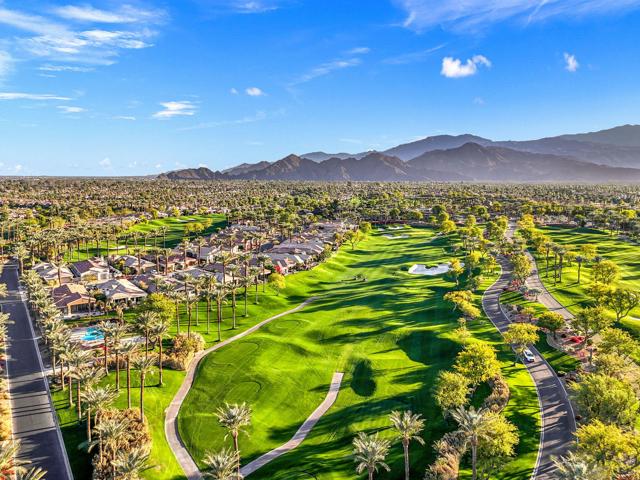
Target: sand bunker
397, 227
420, 269
395, 237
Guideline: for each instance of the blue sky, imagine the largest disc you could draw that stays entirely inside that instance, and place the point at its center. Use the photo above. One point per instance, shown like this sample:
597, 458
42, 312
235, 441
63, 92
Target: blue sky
127, 88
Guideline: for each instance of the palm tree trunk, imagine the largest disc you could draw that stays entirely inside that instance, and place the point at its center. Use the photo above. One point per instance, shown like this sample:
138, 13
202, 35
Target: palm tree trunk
89, 424
208, 315
70, 392
474, 461
141, 397
79, 403
128, 381
160, 361
246, 314
219, 320
405, 446
233, 307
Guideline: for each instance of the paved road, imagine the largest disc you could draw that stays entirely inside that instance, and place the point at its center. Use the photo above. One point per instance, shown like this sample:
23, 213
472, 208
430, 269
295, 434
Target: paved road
302, 432
171, 414
545, 298
34, 418
558, 419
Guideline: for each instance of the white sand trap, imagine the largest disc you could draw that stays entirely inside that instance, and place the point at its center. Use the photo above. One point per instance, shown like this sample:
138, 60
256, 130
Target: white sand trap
420, 269
397, 227
395, 237
380, 229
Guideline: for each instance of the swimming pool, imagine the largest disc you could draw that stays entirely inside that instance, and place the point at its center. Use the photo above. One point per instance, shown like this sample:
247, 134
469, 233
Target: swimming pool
92, 334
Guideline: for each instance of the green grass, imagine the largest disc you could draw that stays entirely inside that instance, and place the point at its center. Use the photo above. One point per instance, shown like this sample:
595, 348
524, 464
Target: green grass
391, 335
575, 296
559, 361
174, 235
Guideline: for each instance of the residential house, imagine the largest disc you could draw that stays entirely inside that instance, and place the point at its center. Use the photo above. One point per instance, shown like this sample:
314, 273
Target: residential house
92, 270
73, 299
52, 274
121, 290
131, 263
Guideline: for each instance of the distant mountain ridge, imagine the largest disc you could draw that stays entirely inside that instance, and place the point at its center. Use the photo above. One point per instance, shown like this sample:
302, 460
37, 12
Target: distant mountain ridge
577, 157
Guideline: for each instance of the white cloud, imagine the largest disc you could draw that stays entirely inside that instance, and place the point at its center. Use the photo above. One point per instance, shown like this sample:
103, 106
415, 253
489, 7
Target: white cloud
31, 96
254, 92
478, 101
126, 14
64, 68
18, 168
571, 62
70, 109
358, 51
413, 57
60, 39
473, 15
105, 162
233, 91
243, 6
454, 68
6, 64
124, 117
326, 69
175, 109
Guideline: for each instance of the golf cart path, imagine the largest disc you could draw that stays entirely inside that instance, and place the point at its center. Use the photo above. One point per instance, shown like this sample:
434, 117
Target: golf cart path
558, 418
302, 432
171, 413
545, 297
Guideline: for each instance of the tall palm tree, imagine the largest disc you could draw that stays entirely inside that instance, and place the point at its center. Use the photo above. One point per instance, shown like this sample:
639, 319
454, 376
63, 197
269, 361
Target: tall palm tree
10, 466
579, 260
409, 426
96, 400
144, 323
234, 418
220, 294
117, 334
110, 433
127, 349
369, 453
158, 330
129, 464
471, 424
209, 293
222, 465
144, 367
188, 280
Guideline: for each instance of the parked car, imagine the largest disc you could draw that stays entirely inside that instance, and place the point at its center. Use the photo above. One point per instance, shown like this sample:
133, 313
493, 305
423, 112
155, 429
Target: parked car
528, 355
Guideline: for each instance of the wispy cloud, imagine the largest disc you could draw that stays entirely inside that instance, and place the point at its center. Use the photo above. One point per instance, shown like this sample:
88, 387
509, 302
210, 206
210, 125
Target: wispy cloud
254, 92
124, 117
242, 6
126, 14
175, 109
571, 62
71, 109
6, 64
70, 34
325, 69
413, 57
257, 117
474, 15
64, 68
31, 96
358, 51
454, 68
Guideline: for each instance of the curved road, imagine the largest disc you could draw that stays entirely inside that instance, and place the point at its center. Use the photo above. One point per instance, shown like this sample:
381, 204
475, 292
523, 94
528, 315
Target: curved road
558, 418
35, 423
171, 414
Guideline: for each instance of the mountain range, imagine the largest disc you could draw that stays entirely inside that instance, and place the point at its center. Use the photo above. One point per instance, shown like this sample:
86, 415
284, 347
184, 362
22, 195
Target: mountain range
611, 155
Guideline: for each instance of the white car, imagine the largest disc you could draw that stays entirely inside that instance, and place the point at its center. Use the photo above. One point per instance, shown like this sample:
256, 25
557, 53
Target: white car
528, 355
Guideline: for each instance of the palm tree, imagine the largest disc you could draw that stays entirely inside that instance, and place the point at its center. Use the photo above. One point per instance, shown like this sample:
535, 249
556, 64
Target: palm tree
579, 260
234, 418
127, 349
21, 252
117, 333
84, 376
144, 366
96, 400
254, 273
573, 467
10, 464
471, 424
409, 425
188, 279
224, 257
130, 464
106, 327
220, 294
369, 453
144, 323
209, 293
110, 433
158, 330
222, 465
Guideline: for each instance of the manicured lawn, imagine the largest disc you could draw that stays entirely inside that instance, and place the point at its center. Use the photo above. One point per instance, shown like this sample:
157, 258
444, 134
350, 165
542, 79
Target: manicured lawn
390, 334
174, 235
575, 296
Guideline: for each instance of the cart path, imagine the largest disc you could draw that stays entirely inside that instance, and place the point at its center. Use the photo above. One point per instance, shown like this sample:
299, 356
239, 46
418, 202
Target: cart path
302, 432
171, 414
558, 418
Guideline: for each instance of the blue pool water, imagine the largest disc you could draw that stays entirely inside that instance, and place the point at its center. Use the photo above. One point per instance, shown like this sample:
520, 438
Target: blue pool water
92, 334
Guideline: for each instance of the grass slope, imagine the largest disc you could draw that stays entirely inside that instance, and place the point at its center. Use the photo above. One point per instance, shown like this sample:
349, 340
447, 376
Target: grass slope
390, 334
174, 235
575, 296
